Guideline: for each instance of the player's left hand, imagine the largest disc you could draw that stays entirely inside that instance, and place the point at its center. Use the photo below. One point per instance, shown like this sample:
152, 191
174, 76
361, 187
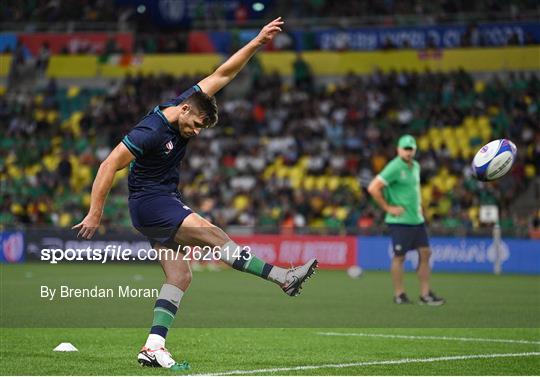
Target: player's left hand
87, 227
268, 32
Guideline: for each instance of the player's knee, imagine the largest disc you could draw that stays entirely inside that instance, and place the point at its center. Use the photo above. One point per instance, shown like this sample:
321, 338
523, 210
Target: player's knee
185, 279
181, 280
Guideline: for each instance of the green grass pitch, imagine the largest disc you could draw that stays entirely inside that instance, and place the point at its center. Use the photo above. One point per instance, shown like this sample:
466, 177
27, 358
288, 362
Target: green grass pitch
231, 322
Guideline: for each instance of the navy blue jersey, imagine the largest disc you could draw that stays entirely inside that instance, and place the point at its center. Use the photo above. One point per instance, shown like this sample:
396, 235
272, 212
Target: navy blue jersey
158, 148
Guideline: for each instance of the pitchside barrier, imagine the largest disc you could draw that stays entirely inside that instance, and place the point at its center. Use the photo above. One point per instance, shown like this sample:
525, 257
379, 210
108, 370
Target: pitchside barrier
451, 254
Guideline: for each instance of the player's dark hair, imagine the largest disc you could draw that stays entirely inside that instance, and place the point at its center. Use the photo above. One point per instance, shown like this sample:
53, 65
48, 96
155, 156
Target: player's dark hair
206, 105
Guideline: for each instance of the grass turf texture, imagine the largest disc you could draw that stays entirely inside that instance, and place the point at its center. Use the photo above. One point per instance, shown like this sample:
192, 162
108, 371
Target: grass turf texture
331, 302
113, 351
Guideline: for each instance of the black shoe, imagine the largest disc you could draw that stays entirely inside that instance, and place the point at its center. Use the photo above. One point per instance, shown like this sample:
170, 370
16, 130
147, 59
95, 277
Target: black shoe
402, 299
432, 300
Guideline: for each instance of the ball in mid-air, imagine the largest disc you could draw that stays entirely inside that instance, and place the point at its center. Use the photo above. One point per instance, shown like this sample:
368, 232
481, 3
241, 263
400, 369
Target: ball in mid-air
494, 160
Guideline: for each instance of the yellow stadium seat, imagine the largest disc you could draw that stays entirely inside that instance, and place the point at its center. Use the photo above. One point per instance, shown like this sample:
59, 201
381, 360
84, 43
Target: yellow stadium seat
473, 216
240, 202
328, 211
56, 140
317, 223
493, 110
32, 170
85, 175
437, 182
353, 184
330, 88
468, 122
309, 183
426, 192
479, 86
333, 183
436, 142
38, 99
451, 182
447, 131
17, 209
73, 91
11, 158
296, 172
42, 207
485, 135
423, 143
342, 213
303, 162
320, 183
86, 198
530, 171
65, 220
429, 212
52, 116
281, 171
269, 172
14, 171
296, 183
460, 133
443, 206
39, 115
483, 121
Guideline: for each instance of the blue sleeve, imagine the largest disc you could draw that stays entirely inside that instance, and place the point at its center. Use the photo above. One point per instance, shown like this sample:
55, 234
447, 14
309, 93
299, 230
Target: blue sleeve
141, 139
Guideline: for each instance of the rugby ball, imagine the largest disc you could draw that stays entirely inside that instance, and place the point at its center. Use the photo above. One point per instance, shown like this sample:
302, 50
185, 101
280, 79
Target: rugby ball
494, 160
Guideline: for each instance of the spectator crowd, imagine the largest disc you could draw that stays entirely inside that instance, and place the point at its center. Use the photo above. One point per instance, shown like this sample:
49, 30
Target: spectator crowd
390, 12
285, 155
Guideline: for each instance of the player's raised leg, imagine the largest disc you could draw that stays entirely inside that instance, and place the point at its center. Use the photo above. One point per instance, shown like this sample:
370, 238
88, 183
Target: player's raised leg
196, 231
177, 281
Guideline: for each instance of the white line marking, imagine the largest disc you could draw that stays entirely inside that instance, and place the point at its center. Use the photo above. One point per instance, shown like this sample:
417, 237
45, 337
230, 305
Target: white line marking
431, 337
369, 363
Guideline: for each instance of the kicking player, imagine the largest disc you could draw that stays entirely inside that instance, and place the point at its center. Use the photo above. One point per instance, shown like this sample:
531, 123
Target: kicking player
154, 148
401, 200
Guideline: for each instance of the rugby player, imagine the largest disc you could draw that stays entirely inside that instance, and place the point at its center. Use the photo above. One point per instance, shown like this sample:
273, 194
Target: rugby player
154, 148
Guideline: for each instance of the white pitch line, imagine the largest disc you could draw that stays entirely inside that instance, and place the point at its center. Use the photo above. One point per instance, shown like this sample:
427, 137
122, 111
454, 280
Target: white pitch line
423, 337
369, 363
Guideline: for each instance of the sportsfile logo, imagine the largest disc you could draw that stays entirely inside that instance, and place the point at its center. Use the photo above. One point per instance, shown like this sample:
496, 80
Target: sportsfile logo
117, 253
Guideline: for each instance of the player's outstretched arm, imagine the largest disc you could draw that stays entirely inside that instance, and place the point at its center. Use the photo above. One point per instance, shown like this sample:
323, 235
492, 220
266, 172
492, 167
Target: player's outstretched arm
118, 159
228, 70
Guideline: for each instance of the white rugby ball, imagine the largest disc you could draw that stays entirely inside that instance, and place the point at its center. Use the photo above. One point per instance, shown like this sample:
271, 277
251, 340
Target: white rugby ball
494, 160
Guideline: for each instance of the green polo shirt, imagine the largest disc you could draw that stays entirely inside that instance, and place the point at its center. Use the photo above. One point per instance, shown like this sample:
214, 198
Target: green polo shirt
403, 189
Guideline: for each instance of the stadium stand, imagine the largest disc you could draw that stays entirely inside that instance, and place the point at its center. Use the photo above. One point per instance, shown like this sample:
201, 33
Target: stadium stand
391, 12
287, 153
284, 155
